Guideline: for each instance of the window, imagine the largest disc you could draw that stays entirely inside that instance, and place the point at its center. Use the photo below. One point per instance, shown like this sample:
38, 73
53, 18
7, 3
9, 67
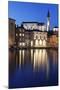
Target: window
36, 42
40, 42
16, 34
20, 34
31, 43
44, 43
20, 44
23, 44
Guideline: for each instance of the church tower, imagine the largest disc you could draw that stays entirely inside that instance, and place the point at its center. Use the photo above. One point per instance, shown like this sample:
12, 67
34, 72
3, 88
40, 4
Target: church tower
48, 21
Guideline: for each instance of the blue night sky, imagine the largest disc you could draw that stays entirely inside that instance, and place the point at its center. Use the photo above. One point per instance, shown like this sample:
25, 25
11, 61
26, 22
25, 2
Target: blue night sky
23, 11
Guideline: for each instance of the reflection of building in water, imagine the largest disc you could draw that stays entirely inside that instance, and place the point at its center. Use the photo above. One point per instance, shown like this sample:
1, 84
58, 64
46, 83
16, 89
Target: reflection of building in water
53, 55
41, 60
24, 57
38, 59
21, 57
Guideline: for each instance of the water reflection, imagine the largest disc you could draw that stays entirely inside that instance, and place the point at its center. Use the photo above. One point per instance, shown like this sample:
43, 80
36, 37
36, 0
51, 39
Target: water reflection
21, 57
38, 65
37, 58
41, 60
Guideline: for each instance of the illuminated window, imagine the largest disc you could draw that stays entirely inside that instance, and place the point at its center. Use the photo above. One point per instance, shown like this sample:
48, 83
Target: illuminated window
36, 42
16, 34
40, 42
20, 34
20, 44
44, 43
23, 44
31, 43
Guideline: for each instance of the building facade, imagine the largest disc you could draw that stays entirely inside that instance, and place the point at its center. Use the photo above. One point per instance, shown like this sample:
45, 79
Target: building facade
11, 31
32, 34
53, 38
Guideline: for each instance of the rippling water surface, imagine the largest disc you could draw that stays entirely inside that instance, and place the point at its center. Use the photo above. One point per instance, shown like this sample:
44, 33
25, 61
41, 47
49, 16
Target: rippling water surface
33, 67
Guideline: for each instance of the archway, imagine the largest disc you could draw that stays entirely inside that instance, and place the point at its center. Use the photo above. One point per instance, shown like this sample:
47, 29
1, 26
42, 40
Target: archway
36, 43
40, 42
44, 42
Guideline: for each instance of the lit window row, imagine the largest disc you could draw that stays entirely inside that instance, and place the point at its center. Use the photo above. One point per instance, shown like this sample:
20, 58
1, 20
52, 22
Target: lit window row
40, 37
22, 44
21, 34
42, 28
41, 43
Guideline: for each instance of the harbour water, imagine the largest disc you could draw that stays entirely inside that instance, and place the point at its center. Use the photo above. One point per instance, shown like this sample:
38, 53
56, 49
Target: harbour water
33, 68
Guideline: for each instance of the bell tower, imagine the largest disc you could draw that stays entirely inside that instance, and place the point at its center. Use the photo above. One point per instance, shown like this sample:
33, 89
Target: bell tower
48, 21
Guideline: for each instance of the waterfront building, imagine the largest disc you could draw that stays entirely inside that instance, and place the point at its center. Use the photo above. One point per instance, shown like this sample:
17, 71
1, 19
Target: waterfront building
53, 38
20, 36
12, 27
32, 34
55, 28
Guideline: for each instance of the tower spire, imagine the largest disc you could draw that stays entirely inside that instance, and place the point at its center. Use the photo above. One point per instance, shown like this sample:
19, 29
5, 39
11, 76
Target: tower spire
48, 21
48, 15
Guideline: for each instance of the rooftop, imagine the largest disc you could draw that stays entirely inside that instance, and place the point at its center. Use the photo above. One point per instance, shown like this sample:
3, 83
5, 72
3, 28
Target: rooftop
11, 19
39, 23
